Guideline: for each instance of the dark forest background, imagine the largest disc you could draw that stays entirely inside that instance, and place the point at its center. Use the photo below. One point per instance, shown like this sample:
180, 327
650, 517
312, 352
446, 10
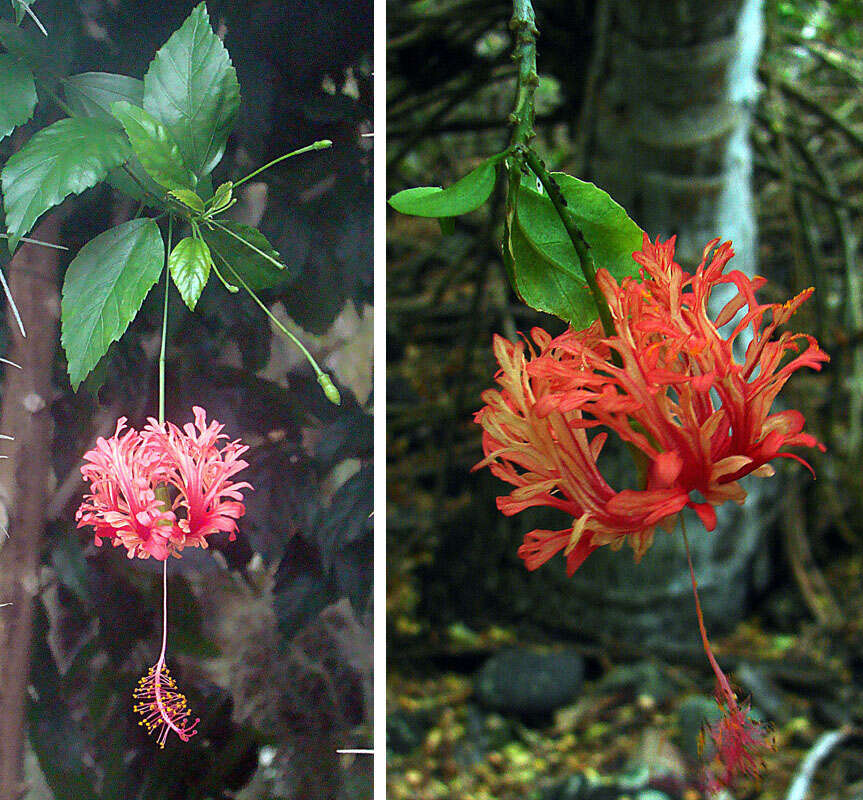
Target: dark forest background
270, 636
735, 119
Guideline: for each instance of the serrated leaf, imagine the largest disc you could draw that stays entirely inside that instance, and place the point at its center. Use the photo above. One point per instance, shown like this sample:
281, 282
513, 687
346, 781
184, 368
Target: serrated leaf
222, 196
154, 146
65, 158
91, 94
189, 199
189, 263
236, 248
464, 196
105, 285
548, 272
17, 94
191, 87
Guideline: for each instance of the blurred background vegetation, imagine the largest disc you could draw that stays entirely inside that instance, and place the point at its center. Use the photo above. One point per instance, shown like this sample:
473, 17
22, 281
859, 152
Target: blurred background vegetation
738, 119
270, 636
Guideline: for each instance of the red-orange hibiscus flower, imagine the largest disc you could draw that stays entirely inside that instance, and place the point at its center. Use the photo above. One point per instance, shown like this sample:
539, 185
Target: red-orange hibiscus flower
667, 383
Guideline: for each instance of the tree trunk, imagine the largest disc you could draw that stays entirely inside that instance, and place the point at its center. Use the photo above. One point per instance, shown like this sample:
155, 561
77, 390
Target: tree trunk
671, 145
24, 477
672, 119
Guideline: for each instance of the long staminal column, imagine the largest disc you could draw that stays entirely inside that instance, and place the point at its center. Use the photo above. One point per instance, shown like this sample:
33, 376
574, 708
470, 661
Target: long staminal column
741, 742
162, 706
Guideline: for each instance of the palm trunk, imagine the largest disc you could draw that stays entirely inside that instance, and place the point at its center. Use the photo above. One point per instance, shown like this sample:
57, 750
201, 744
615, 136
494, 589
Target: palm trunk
672, 121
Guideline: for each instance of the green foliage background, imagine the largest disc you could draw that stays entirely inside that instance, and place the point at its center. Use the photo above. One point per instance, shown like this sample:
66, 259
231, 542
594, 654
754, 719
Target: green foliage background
261, 624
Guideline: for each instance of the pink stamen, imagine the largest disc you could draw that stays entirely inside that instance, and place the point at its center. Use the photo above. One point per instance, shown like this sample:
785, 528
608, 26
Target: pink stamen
163, 707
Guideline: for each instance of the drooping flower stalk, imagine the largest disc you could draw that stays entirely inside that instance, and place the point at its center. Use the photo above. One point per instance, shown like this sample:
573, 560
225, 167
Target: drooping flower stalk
133, 477
162, 706
741, 742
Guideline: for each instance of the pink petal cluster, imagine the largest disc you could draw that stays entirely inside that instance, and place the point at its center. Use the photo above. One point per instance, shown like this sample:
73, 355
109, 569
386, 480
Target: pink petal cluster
162, 489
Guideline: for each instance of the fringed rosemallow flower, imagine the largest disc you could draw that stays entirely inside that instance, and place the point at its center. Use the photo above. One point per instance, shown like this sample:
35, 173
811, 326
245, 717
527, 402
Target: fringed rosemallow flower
666, 384
156, 492
122, 506
697, 419
133, 477
200, 471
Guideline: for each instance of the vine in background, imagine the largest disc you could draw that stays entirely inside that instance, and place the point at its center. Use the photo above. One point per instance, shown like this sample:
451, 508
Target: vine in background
653, 370
552, 238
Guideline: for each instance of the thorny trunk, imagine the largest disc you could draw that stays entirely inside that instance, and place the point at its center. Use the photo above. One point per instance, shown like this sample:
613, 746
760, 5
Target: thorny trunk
24, 479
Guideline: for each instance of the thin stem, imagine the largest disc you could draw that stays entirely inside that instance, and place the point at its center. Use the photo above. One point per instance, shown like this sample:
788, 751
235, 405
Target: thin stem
322, 144
582, 249
248, 244
165, 326
275, 321
125, 167
720, 676
523, 25
61, 104
164, 613
27, 240
160, 664
323, 379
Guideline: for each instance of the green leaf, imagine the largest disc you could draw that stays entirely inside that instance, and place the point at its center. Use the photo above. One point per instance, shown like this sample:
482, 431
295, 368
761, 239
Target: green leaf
222, 196
105, 285
256, 270
189, 199
91, 94
189, 263
17, 94
43, 55
548, 286
65, 158
154, 146
465, 195
548, 272
191, 87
